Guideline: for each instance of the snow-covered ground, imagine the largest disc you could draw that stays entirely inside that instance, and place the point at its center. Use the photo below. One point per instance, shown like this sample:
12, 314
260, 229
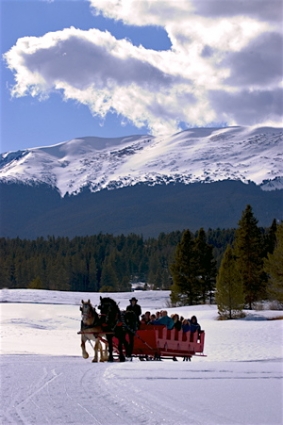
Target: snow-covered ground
44, 379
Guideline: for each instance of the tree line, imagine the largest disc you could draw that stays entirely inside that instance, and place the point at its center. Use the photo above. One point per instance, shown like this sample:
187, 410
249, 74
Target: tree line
100, 262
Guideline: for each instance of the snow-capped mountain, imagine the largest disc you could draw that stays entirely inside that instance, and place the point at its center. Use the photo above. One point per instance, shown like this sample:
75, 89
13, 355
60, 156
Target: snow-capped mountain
195, 155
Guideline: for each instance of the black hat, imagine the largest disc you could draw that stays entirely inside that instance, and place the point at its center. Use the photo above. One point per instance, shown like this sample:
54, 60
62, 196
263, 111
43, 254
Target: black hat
133, 299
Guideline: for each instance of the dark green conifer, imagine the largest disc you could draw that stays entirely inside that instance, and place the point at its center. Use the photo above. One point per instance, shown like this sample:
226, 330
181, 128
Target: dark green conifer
229, 287
249, 251
109, 281
270, 239
35, 283
273, 266
205, 265
185, 289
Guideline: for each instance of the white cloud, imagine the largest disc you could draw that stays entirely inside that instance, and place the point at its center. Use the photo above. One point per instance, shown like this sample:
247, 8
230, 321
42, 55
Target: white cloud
201, 79
144, 12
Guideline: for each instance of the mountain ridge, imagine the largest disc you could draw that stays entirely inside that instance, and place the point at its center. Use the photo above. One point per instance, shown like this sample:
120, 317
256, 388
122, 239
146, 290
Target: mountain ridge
141, 184
195, 155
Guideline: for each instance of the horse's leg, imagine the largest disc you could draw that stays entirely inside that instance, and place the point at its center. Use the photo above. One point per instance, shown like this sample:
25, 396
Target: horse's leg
121, 354
125, 343
95, 349
130, 345
110, 348
121, 342
100, 348
84, 352
105, 352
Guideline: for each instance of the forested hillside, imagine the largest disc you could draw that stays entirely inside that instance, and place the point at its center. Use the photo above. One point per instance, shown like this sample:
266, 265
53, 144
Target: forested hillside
29, 212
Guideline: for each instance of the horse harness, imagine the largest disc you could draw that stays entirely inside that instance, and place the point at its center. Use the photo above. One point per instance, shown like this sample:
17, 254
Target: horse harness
119, 320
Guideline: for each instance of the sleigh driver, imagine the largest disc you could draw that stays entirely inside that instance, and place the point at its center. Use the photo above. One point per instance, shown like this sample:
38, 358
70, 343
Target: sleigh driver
136, 308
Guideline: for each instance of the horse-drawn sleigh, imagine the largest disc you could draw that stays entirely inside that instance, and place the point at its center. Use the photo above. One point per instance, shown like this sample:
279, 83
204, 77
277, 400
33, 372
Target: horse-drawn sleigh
117, 330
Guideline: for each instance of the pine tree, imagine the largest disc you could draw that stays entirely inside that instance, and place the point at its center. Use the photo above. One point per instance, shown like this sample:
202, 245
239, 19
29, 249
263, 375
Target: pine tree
35, 283
185, 288
249, 251
229, 287
121, 269
206, 265
154, 276
273, 266
4, 273
109, 281
270, 239
58, 278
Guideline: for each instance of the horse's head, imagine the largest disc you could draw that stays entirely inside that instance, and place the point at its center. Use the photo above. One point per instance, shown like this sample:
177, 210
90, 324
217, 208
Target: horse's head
89, 314
109, 311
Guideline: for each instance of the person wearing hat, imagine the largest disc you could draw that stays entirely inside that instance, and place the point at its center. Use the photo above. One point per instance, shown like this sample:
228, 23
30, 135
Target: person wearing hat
136, 308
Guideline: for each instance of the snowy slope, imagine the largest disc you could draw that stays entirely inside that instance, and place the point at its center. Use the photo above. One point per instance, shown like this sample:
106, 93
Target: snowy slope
44, 379
203, 154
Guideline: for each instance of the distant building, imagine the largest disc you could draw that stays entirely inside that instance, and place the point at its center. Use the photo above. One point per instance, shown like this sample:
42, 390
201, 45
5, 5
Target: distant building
139, 286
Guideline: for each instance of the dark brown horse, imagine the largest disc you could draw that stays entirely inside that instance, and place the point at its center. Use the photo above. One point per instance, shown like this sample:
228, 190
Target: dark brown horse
121, 324
91, 331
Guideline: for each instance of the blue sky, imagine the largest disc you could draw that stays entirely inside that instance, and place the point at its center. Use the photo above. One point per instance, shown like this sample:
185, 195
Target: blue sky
113, 68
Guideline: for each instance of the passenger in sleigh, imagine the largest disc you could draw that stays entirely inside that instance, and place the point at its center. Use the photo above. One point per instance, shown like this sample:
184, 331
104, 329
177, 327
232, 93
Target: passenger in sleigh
186, 325
145, 318
152, 319
164, 320
195, 326
191, 325
177, 322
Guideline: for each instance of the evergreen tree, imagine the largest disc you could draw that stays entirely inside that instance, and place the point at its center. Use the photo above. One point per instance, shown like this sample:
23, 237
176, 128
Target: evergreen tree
120, 264
35, 283
154, 276
229, 287
109, 281
205, 263
12, 273
220, 239
92, 274
185, 289
249, 250
270, 239
58, 278
273, 266
4, 273
121, 269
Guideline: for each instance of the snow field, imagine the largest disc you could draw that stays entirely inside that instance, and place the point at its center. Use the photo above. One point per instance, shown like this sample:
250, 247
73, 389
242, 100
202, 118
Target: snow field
44, 379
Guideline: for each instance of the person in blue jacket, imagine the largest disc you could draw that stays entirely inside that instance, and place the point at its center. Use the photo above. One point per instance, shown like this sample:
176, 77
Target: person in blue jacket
194, 324
164, 320
186, 326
